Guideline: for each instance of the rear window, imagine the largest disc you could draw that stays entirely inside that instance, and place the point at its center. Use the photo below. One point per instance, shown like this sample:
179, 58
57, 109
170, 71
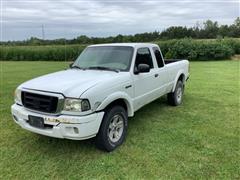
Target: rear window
158, 56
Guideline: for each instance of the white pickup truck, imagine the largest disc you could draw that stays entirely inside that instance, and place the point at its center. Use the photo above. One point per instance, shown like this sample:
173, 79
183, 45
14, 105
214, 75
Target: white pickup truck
94, 97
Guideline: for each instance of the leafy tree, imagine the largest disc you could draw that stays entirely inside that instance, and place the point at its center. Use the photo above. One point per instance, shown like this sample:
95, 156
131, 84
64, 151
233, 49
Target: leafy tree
209, 29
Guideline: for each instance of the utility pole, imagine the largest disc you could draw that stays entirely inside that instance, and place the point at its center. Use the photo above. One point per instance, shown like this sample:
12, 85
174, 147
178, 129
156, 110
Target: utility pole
43, 33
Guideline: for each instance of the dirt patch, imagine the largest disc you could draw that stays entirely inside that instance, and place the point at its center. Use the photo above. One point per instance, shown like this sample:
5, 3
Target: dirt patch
236, 57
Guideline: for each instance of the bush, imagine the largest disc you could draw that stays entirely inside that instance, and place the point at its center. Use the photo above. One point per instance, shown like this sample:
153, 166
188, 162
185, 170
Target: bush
40, 53
182, 49
200, 49
233, 43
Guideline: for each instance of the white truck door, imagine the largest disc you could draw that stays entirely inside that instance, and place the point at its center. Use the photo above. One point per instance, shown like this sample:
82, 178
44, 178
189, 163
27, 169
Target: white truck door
145, 84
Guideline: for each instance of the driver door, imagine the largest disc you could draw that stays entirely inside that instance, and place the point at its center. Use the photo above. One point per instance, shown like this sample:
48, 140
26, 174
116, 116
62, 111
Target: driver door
145, 84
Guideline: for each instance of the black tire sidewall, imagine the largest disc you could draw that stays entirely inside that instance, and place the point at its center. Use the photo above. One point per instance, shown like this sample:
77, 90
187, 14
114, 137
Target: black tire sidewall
103, 133
179, 84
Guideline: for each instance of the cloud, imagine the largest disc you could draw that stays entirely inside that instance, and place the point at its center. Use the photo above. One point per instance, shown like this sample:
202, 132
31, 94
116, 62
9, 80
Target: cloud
70, 18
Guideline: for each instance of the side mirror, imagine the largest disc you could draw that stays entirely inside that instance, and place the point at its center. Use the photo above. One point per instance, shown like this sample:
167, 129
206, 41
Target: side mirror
142, 68
70, 65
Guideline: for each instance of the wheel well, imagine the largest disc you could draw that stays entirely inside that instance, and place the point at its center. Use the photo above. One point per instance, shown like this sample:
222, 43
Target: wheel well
119, 102
181, 78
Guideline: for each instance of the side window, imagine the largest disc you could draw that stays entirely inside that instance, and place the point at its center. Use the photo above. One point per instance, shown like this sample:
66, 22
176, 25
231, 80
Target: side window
144, 57
158, 57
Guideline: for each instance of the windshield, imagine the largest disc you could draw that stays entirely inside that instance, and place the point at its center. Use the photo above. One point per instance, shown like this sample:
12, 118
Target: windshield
114, 57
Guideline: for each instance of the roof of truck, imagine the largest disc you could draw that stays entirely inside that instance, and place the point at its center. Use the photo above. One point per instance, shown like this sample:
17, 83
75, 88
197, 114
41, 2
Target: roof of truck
126, 44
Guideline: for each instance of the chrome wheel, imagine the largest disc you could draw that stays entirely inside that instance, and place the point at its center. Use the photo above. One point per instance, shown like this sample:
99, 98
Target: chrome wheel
179, 94
115, 129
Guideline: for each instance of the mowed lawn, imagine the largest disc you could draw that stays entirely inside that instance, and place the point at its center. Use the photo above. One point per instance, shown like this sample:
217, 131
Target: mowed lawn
199, 139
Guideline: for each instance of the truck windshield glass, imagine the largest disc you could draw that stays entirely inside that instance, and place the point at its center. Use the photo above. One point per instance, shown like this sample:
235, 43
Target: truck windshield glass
114, 57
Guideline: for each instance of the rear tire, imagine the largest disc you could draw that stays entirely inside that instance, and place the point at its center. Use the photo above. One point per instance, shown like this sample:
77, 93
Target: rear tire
113, 129
175, 98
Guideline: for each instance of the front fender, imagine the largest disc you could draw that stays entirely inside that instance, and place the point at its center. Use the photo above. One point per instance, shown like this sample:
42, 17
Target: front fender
116, 96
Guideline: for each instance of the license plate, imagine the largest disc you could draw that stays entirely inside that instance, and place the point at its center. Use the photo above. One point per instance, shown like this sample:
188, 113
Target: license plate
36, 121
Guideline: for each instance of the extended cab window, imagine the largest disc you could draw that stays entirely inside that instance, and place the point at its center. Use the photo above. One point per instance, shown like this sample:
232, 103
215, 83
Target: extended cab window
158, 57
144, 57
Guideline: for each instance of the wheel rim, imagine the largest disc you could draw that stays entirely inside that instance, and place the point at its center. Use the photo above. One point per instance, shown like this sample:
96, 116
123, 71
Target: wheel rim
115, 129
179, 94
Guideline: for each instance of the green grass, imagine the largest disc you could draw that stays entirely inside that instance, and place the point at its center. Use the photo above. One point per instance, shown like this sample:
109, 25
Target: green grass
199, 139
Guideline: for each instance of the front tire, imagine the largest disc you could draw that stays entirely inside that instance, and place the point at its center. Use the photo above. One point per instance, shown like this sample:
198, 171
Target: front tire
175, 98
113, 129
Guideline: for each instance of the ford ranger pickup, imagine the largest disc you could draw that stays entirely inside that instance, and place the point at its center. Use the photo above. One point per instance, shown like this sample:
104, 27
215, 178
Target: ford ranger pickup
95, 96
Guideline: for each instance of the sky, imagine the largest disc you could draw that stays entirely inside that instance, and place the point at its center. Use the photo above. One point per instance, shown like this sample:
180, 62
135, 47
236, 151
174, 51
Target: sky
22, 19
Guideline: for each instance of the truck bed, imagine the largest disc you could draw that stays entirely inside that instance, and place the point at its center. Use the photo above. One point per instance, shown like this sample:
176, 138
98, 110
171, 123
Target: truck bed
168, 61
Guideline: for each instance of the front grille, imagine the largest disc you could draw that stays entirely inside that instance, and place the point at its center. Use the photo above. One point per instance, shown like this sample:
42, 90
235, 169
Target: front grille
39, 102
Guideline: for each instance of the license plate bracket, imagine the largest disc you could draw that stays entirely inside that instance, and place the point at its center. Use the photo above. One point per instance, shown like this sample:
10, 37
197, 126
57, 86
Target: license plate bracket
36, 121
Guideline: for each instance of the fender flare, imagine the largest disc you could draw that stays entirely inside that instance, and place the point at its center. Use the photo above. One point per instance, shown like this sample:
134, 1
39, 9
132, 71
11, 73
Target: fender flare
115, 96
176, 79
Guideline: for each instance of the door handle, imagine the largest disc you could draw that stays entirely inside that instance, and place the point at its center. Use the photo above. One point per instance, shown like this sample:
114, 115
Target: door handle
156, 75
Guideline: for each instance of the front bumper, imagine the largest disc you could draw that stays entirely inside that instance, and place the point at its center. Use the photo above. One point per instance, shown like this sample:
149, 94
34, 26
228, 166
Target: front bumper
62, 126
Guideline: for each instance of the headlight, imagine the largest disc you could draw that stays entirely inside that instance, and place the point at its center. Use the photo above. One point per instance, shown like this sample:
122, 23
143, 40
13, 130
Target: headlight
76, 105
17, 96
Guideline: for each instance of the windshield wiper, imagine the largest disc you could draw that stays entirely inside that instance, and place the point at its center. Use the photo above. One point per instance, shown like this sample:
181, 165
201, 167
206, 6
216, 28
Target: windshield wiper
104, 68
77, 67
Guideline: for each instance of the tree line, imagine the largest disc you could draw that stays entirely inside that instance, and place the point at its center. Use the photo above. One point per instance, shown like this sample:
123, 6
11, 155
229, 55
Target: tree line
207, 30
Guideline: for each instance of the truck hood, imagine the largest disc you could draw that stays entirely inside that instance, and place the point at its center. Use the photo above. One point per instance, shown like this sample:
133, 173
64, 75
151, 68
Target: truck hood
70, 83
